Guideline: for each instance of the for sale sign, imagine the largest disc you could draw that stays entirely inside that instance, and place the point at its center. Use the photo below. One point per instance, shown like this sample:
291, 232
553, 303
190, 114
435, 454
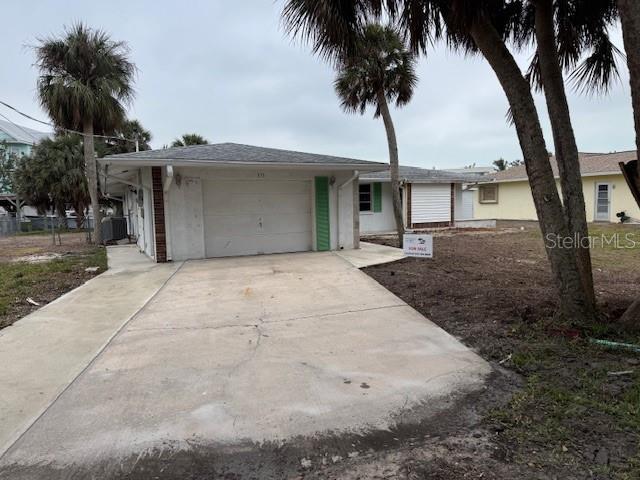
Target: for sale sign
418, 245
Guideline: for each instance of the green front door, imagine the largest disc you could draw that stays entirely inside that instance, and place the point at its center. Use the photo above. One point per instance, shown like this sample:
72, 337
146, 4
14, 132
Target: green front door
323, 241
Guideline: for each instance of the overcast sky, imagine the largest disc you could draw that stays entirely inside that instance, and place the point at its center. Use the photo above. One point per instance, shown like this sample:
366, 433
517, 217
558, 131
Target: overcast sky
227, 71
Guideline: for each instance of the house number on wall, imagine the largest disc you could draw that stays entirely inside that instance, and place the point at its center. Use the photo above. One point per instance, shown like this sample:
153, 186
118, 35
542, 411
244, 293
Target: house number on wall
260, 174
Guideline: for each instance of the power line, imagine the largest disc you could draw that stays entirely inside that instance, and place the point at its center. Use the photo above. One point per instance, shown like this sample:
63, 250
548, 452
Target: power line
18, 126
62, 128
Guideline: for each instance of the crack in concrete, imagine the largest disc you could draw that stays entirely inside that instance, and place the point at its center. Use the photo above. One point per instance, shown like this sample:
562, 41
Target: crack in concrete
199, 327
263, 321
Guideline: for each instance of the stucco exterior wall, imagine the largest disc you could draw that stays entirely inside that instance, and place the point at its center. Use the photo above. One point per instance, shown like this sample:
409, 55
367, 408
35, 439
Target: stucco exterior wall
186, 237
515, 201
458, 213
621, 197
383, 221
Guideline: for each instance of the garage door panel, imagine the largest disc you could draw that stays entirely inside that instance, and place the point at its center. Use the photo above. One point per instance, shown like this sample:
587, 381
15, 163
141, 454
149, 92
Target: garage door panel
286, 223
243, 202
229, 203
231, 246
281, 203
287, 242
231, 225
253, 217
257, 186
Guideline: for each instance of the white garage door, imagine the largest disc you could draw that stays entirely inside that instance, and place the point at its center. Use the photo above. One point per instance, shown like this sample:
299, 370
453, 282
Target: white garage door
430, 203
255, 217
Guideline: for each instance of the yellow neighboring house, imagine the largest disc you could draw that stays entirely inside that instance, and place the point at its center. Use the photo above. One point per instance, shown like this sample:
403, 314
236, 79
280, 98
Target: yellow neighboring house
508, 195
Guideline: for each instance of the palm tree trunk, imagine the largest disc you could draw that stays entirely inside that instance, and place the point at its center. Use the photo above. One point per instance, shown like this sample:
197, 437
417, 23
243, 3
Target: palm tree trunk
394, 167
630, 20
564, 140
92, 179
573, 299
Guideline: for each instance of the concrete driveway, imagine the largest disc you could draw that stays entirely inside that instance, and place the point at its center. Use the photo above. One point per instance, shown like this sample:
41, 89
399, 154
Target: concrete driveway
242, 351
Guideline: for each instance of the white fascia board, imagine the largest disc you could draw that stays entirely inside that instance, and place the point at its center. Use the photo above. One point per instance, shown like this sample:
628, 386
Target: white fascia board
405, 181
207, 163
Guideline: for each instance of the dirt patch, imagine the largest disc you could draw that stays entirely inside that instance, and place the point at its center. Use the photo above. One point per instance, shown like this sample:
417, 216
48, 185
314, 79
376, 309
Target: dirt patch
32, 268
14, 246
576, 416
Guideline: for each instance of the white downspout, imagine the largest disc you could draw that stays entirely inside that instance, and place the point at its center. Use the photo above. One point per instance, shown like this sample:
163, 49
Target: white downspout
355, 175
168, 179
167, 214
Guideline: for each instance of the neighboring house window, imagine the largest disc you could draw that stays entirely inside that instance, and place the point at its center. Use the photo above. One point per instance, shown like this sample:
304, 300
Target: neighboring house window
371, 197
488, 193
365, 197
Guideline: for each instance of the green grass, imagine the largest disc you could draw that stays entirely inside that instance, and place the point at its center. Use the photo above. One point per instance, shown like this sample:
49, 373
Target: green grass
605, 252
20, 280
569, 386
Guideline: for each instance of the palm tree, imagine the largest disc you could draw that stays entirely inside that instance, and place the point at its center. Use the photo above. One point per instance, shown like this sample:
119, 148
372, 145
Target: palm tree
629, 11
500, 164
53, 176
473, 27
84, 84
379, 71
630, 20
563, 32
189, 139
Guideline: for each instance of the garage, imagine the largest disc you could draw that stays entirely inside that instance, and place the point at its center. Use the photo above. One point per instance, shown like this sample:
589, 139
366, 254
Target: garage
257, 217
226, 200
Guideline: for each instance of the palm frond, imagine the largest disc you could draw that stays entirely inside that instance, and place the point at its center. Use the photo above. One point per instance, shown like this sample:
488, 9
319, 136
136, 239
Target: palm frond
329, 26
598, 71
84, 74
533, 75
380, 62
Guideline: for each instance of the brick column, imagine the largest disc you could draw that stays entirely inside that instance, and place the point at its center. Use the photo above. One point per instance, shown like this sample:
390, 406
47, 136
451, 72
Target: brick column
158, 215
453, 204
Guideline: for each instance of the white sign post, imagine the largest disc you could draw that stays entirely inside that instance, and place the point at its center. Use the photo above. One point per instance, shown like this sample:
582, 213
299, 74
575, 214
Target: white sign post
418, 245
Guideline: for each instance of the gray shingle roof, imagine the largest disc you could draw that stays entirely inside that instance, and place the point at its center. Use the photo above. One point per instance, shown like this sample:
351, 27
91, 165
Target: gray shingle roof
230, 153
425, 175
22, 134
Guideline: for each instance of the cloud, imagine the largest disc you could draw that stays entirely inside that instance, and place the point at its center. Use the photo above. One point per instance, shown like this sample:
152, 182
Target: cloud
226, 70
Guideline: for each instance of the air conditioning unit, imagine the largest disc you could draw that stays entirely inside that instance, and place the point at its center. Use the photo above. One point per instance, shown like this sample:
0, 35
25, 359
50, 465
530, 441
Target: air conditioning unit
114, 229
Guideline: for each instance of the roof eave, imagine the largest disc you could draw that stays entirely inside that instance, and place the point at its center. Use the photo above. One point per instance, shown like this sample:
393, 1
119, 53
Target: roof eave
421, 180
158, 162
556, 177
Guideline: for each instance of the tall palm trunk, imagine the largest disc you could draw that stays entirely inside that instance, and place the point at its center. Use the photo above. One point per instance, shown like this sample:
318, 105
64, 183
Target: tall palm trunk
573, 299
394, 166
630, 20
92, 179
564, 140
